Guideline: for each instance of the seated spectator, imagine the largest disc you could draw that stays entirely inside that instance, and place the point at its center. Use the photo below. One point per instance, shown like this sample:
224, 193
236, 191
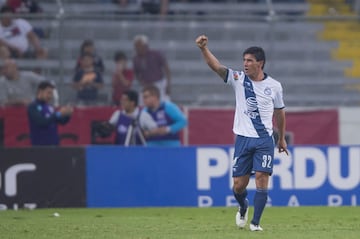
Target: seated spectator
122, 3
88, 47
43, 118
24, 6
130, 122
122, 78
19, 37
17, 87
87, 81
168, 117
155, 6
148, 6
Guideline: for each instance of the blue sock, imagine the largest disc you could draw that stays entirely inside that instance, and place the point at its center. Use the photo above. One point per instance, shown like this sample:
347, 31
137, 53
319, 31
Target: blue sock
260, 199
241, 198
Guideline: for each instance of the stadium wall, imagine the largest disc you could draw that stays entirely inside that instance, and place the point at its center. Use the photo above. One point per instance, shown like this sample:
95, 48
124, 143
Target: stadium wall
42, 177
193, 176
207, 126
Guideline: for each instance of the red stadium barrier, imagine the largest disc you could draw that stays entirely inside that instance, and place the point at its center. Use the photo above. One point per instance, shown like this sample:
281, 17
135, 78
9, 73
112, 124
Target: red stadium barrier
206, 126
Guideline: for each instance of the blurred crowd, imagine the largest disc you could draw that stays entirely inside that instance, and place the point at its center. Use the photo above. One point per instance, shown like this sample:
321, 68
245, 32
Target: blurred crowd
19, 39
155, 119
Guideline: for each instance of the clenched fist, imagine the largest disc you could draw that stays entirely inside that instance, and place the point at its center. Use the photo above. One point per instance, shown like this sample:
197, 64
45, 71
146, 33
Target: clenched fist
201, 41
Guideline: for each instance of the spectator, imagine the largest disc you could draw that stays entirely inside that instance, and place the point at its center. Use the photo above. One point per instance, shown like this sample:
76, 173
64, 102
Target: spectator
151, 67
88, 47
19, 37
121, 3
168, 117
17, 87
155, 6
43, 118
87, 81
148, 6
122, 78
24, 6
131, 115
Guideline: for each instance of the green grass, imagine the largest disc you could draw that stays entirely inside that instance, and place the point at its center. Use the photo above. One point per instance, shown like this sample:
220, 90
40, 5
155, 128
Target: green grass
168, 223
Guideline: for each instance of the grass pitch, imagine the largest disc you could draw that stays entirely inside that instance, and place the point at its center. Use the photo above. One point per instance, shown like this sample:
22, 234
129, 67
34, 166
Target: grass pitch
184, 223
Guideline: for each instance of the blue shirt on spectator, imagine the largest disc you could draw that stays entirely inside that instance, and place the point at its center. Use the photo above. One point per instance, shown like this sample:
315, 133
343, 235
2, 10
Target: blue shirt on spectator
170, 115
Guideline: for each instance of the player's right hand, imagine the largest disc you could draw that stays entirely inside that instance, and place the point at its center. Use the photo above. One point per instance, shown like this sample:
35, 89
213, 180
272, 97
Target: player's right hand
201, 41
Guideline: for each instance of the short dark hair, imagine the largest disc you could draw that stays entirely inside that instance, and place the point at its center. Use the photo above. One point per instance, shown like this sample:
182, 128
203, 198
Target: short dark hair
119, 55
258, 52
44, 85
153, 90
6, 8
132, 96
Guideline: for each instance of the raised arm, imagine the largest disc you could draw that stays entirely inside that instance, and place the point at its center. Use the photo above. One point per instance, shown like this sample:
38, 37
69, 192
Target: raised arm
211, 60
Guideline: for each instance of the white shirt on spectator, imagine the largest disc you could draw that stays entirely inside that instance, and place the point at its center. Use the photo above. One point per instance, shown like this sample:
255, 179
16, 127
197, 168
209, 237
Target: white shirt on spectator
23, 88
16, 34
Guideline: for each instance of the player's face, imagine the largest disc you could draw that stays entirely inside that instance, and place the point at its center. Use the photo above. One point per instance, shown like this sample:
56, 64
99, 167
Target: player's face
251, 66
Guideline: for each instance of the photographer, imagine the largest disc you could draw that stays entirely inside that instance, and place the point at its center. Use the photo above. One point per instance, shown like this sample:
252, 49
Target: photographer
130, 121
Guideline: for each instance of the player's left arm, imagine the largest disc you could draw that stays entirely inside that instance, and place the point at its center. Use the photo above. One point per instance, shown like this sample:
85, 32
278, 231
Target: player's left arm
281, 125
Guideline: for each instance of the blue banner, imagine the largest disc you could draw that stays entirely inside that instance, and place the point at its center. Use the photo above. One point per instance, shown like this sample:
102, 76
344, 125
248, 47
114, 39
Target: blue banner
201, 176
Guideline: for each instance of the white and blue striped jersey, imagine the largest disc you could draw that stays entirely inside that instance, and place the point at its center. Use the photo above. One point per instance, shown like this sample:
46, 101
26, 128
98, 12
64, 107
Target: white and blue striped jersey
255, 104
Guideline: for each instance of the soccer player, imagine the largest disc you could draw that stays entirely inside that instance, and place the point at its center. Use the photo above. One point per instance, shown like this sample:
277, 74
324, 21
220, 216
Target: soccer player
258, 98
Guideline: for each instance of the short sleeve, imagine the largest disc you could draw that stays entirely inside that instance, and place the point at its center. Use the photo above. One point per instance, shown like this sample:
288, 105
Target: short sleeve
278, 98
234, 76
146, 121
114, 117
24, 26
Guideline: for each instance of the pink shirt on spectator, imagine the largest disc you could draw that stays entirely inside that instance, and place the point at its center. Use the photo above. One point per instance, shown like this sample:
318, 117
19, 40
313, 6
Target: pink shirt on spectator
149, 67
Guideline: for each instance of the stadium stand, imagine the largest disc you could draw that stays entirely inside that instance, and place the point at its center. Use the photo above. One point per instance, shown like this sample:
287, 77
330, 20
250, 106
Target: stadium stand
297, 54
